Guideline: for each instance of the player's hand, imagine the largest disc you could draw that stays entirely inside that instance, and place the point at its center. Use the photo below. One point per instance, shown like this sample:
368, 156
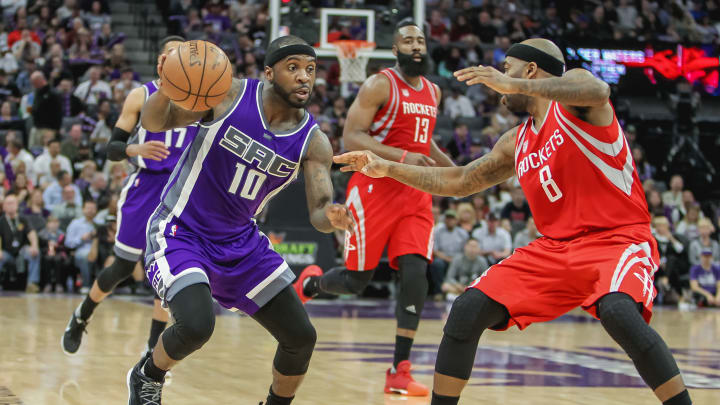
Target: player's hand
364, 162
418, 159
160, 64
488, 76
340, 217
153, 150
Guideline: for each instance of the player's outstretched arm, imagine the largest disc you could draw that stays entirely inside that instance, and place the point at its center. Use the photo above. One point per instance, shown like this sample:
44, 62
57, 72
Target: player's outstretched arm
324, 215
118, 149
373, 94
487, 171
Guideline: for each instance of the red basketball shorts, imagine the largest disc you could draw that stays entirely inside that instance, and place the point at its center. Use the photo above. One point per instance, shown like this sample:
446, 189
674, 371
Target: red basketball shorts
387, 213
548, 278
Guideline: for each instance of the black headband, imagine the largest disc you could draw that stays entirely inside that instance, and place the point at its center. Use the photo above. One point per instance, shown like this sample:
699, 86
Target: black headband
544, 60
280, 53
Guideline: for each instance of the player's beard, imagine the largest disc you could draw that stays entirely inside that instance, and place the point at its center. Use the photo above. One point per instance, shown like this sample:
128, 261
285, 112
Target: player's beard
410, 67
287, 96
516, 103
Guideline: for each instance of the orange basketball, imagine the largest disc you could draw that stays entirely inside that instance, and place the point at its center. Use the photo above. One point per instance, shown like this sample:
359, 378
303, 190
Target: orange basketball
196, 76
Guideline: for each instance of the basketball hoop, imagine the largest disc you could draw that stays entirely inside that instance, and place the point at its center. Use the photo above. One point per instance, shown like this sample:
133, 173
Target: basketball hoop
353, 56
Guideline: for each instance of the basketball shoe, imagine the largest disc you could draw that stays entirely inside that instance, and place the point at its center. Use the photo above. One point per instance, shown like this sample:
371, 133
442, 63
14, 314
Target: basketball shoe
146, 355
299, 284
401, 382
143, 390
72, 337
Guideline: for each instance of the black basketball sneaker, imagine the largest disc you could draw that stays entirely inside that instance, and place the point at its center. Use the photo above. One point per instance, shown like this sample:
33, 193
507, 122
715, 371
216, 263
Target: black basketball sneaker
143, 390
72, 337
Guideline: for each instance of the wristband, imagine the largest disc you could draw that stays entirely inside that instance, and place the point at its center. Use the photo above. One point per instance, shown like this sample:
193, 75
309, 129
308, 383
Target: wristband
402, 159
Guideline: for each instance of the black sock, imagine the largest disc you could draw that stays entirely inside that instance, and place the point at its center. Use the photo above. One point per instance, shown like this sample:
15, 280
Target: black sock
402, 349
312, 286
443, 400
86, 308
273, 399
156, 329
682, 398
151, 370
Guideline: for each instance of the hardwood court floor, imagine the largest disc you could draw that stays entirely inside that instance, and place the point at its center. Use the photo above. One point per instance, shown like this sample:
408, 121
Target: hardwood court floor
568, 361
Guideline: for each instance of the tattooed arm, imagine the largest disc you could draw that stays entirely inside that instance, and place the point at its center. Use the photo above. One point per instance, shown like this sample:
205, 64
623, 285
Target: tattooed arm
324, 215
487, 171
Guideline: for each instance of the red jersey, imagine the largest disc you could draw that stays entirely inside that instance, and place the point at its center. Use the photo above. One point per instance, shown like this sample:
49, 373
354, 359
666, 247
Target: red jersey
578, 178
407, 120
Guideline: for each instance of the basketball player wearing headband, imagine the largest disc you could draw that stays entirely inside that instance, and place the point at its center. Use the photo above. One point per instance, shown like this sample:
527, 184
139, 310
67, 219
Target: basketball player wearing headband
202, 240
577, 172
155, 155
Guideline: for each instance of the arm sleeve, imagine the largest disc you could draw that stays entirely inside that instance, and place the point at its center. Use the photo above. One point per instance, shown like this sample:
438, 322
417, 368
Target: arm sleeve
118, 143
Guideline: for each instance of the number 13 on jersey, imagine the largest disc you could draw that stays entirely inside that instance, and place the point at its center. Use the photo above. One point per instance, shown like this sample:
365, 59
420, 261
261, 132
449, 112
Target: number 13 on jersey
421, 129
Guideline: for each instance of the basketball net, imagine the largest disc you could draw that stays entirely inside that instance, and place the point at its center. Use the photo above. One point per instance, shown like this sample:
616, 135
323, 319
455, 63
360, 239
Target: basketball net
353, 56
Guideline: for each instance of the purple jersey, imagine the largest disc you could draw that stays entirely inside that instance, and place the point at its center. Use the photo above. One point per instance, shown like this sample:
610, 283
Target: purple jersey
204, 231
233, 168
176, 140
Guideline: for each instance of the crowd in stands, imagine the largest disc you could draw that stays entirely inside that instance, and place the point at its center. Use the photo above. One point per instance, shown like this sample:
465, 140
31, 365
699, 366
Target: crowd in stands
64, 75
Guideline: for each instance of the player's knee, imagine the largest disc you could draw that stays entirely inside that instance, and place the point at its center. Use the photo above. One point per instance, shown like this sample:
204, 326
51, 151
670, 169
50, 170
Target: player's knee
296, 348
110, 277
472, 313
196, 331
620, 316
356, 281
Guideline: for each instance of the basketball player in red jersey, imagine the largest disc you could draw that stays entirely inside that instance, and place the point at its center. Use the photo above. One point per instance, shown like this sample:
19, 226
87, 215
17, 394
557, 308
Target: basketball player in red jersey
576, 170
394, 116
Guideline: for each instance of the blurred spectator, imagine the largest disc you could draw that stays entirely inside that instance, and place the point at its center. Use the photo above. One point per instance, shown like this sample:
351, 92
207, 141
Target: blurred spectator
216, 18
16, 153
69, 209
72, 144
644, 168
35, 210
102, 131
53, 194
41, 166
8, 89
458, 105
55, 261
19, 240
96, 18
109, 211
80, 234
527, 235
495, 242
71, 104
705, 280
688, 226
68, 8
464, 268
449, 241
118, 173
516, 211
437, 25
97, 191
673, 261
127, 81
460, 145
704, 241
87, 173
484, 29
680, 211
47, 105
101, 252
482, 208
655, 204
499, 197
26, 48
21, 188
626, 15
460, 28
673, 197
94, 89
466, 217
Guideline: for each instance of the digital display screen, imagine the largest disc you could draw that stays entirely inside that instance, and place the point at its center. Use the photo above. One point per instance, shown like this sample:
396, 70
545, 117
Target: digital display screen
697, 65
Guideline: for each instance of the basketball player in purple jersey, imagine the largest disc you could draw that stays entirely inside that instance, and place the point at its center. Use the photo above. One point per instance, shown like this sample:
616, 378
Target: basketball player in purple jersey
157, 154
202, 240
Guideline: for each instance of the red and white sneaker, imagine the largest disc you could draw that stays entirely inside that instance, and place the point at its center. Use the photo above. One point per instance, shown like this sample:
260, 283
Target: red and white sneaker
401, 382
299, 284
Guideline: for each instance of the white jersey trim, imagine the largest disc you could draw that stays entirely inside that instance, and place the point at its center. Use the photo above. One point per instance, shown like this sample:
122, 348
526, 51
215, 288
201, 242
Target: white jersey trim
610, 149
121, 202
622, 179
383, 134
354, 200
269, 279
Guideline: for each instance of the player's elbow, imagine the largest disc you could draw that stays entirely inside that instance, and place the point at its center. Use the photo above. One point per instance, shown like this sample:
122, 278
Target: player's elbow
600, 94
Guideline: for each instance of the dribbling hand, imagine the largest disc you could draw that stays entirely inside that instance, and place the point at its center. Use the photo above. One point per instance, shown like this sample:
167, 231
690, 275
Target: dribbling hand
488, 76
364, 162
340, 217
161, 62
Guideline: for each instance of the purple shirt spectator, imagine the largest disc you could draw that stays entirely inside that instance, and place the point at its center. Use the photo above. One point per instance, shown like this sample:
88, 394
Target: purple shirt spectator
706, 278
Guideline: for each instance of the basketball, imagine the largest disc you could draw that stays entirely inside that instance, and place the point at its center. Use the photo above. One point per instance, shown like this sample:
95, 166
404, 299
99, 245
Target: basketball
196, 76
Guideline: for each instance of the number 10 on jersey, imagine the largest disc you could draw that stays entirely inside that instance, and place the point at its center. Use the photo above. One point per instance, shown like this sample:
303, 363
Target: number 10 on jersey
251, 184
